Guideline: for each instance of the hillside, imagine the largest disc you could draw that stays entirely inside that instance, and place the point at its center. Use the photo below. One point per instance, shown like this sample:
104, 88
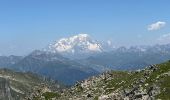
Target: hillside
18, 86
147, 84
54, 66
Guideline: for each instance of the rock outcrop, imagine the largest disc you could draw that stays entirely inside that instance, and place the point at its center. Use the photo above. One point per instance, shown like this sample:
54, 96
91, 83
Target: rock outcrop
5, 90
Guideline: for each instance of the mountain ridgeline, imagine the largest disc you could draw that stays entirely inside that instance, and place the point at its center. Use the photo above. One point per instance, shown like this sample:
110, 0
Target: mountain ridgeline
131, 58
54, 66
72, 59
7, 61
86, 65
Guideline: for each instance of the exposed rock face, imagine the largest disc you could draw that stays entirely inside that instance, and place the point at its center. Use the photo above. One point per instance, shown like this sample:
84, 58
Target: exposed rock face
19, 86
5, 90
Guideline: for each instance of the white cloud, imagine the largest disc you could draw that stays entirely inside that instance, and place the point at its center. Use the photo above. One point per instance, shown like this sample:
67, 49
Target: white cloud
156, 26
164, 38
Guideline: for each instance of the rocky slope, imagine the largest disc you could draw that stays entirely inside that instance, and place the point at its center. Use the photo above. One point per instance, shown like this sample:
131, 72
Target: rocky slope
5, 90
147, 84
19, 86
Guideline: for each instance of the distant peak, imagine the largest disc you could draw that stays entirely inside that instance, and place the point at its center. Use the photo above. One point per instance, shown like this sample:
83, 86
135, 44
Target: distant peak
77, 44
80, 37
83, 35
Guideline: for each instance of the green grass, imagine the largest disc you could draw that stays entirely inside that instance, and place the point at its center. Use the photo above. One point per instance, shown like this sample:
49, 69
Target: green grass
165, 89
130, 78
164, 82
96, 98
122, 76
50, 95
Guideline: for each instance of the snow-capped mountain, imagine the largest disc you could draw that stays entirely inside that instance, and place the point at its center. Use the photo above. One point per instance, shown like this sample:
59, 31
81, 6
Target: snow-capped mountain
81, 44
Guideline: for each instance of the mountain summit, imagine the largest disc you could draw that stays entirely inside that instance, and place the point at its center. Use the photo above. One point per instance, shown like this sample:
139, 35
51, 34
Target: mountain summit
81, 44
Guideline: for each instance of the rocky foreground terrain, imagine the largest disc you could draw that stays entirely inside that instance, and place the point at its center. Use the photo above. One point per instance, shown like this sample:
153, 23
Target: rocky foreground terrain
151, 83
19, 86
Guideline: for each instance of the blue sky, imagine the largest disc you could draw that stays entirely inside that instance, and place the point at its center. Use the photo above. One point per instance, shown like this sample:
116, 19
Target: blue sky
26, 25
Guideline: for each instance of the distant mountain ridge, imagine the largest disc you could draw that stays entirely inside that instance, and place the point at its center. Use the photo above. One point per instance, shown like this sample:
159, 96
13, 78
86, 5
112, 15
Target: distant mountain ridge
7, 61
90, 57
131, 58
55, 66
